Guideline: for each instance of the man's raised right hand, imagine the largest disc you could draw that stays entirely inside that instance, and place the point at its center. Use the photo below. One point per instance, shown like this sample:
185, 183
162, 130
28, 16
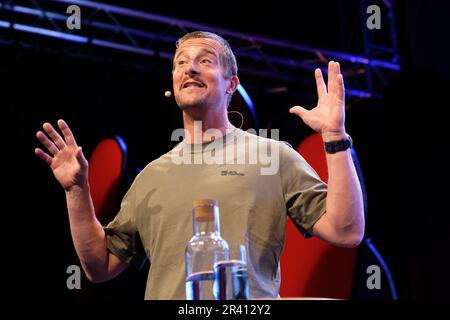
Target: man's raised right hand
65, 157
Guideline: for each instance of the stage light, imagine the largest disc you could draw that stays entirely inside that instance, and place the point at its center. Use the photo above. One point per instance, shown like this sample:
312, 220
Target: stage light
50, 33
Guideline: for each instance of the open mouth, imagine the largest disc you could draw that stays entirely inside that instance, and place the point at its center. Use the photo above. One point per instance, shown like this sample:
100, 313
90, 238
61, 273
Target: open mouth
193, 84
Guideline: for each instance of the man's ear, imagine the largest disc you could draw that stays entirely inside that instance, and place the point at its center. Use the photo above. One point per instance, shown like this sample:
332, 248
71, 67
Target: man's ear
234, 82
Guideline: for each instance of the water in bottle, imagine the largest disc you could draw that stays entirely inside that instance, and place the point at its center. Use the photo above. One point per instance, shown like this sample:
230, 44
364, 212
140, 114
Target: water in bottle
204, 249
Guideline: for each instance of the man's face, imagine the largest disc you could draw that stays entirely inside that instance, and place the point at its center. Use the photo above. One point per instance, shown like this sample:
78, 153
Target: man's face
198, 75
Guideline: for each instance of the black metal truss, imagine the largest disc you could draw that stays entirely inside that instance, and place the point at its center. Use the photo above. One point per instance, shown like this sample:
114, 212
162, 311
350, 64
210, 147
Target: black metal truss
279, 62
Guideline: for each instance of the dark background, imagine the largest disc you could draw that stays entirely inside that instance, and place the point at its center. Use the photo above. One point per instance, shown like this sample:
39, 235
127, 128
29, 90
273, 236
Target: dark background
401, 140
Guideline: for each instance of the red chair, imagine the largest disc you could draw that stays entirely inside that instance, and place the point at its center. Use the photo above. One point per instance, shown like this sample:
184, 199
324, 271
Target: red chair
107, 166
314, 268
109, 179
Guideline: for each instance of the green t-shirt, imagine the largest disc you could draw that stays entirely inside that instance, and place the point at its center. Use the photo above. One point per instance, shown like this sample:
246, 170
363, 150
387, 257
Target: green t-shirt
255, 198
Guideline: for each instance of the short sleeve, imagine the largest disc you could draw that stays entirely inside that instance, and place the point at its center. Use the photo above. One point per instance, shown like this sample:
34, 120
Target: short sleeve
122, 234
304, 193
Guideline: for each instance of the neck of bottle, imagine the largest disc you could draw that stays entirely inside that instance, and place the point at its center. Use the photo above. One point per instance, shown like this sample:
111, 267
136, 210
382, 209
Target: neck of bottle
206, 223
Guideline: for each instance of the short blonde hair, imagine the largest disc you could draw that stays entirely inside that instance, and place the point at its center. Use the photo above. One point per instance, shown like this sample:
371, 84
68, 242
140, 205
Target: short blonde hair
227, 58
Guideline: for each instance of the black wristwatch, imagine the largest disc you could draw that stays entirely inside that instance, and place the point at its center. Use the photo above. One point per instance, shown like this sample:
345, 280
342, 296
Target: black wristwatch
338, 145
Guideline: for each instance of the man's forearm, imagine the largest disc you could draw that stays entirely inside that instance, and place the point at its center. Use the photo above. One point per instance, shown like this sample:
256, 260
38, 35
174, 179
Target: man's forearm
87, 233
345, 211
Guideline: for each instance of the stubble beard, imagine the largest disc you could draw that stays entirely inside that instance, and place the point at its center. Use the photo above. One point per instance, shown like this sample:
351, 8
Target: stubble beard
191, 104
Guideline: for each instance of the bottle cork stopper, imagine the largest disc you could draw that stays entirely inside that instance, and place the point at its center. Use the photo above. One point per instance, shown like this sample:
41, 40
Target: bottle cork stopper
204, 209
205, 202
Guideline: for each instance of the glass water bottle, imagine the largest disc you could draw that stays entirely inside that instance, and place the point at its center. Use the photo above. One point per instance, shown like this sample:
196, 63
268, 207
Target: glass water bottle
204, 249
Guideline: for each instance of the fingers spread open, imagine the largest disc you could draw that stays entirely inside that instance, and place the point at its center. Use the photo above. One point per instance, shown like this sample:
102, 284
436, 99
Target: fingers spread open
338, 68
68, 136
320, 83
340, 87
300, 111
80, 157
41, 154
334, 80
47, 142
54, 135
330, 76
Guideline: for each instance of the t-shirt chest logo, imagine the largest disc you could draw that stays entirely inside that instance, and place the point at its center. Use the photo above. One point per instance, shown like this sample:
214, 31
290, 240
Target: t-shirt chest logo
231, 173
